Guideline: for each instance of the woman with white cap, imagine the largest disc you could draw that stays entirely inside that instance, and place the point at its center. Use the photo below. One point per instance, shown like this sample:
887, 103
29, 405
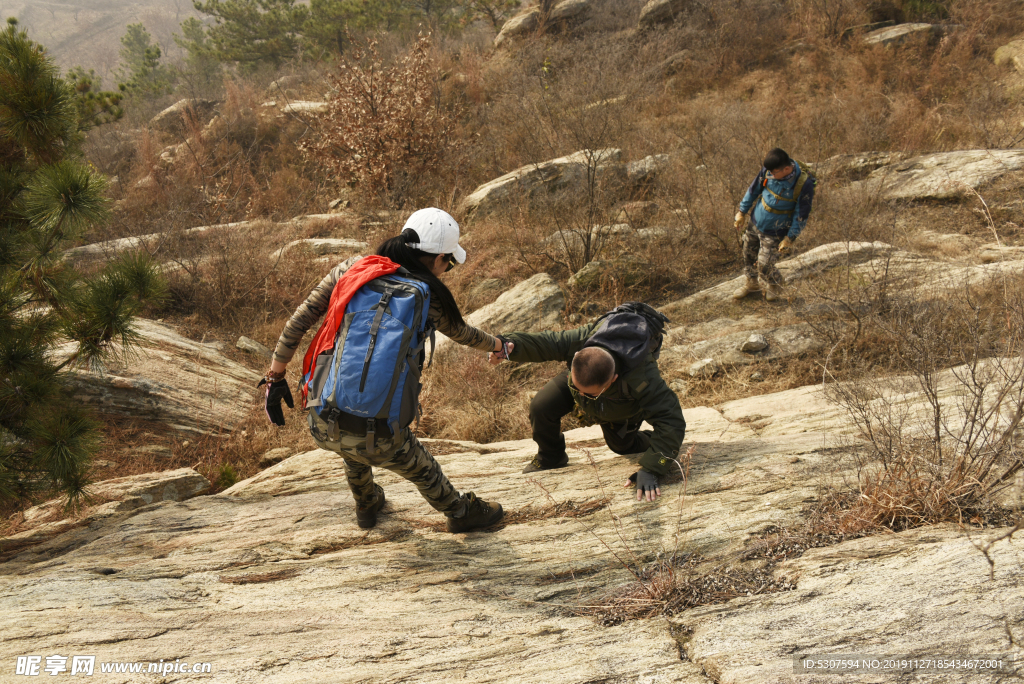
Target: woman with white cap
427, 247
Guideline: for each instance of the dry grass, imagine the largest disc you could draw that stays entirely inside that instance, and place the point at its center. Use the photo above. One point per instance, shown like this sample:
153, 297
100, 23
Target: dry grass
231, 279
943, 461
670, 586
466, 399
668, 589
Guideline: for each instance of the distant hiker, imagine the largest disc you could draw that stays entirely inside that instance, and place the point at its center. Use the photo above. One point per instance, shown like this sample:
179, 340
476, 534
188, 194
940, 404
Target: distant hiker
361, 404
613, 380
781, 197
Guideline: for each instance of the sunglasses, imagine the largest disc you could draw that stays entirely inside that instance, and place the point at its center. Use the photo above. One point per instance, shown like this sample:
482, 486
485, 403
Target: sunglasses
451, 262
588, 396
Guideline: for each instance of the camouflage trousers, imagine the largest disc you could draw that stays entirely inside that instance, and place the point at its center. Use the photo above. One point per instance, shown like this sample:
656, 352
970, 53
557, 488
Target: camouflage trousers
402, 454
760, 253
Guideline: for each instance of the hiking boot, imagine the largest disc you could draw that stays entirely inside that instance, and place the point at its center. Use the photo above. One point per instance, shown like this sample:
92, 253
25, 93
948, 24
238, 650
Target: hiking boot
478, 514
367, 517
749, 287
538, 464
773, 292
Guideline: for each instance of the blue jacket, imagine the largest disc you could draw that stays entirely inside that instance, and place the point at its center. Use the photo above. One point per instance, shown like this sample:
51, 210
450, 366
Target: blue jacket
789, 215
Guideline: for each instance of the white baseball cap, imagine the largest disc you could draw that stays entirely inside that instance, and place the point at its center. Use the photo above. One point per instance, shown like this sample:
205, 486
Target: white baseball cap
438, 232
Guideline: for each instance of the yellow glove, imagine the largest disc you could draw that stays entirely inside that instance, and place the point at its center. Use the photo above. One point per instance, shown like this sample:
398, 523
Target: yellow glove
785, 245
740, 218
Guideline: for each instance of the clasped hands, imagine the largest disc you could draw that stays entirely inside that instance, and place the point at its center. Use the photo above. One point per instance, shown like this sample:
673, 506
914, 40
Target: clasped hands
501, 353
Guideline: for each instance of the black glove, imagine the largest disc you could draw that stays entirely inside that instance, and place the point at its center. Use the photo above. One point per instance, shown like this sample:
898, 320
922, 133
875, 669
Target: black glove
276, 391
646, 485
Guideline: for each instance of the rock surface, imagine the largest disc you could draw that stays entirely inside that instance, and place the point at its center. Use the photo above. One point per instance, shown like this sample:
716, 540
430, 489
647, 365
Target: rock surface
275, 456
305, 108
564, 173
171, 120
562, 15
184, 384
916, 276
518, 26
488, 288
755, 343
272, 579
106, 498
658, 12
134, 491
942, 175
569, 11
704, 368
896, 35
532, 305
855, 166
253, 347
871, 599
1011, 53
150, 241
322, 246
286, 82
992, 253
741, 348
812, 261
627, 268
646, 170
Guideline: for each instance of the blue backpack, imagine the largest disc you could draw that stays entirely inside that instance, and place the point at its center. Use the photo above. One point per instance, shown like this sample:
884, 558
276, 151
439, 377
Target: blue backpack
369, 383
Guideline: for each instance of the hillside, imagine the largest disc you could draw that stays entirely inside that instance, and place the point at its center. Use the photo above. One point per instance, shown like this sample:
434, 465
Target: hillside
272, 576
851, 480
88, 32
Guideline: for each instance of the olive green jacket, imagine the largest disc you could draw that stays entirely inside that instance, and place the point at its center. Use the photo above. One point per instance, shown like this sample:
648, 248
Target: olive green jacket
640, 394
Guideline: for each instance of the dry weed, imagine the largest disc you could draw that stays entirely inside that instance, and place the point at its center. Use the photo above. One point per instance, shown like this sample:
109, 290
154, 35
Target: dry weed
385, 125
231, 278
466, 399
960, 355
670, 589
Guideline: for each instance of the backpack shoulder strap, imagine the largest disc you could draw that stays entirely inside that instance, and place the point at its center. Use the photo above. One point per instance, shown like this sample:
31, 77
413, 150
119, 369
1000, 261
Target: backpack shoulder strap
805, 175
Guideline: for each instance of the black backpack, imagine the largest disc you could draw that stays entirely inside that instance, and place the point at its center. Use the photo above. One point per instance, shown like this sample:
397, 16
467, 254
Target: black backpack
632, 331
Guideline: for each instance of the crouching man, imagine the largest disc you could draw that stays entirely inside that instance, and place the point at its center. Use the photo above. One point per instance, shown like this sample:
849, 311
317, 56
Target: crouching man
613, 380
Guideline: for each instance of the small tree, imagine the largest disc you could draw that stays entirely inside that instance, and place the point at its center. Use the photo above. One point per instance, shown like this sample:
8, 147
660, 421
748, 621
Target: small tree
140, 63
438, 14
202, 68
331, 20
384, 124
48, 196
496, 12
254, 32
94, 105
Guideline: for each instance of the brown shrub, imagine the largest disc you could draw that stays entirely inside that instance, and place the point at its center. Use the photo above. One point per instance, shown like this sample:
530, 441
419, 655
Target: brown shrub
943, 462
229, 279
385, 126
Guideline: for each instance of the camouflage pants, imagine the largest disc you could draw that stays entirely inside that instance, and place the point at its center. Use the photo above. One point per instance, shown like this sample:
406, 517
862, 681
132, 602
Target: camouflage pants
402, 455
760, 252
